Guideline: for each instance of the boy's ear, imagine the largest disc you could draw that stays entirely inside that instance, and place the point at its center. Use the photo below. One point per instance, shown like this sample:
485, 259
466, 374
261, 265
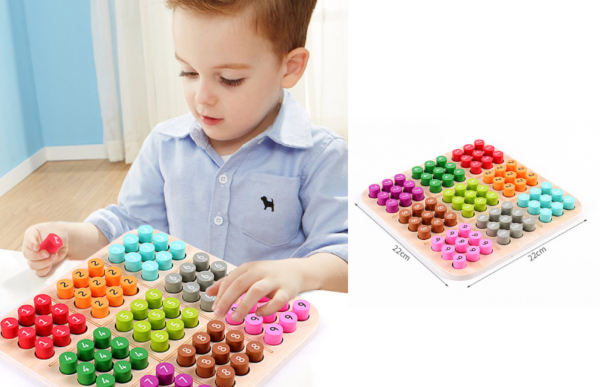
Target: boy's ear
295, 64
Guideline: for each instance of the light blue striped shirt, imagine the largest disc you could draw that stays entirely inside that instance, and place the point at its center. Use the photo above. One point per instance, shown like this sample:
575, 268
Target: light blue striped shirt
284, 194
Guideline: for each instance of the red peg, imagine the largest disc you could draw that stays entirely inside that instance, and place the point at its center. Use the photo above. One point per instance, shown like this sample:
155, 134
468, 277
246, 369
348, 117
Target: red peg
488, 150
457, 154
44, 348
487, 162
26, 338
77, 323
26, 315
60, 312
479, 144
475, 167
477, 155
61, 335
10, 327
465, 161
42, 303
498, 157
469, 148
51, 244
43, 325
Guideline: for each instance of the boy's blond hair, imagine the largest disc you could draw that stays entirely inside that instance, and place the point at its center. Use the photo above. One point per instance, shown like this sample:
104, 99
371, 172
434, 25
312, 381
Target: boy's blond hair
283, 22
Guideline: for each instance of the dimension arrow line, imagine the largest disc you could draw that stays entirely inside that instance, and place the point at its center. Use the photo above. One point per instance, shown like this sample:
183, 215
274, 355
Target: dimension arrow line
535, 248
356, 204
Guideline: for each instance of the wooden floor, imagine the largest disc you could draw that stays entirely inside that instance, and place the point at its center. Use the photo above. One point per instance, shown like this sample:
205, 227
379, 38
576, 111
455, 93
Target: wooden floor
58, 190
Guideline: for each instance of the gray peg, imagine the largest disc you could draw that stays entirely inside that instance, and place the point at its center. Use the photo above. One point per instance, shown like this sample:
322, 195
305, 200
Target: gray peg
503, 237
188, 272
205, 279
201, 261
495, 214
529, 224
507, 208
482, 221
219, 269
492, 228
517, 215
505, 222
516, 230
191, 292
173, 283
206, 302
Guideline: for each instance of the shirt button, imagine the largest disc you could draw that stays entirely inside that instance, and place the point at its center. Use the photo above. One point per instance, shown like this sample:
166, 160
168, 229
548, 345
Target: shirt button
218, 220
223, 179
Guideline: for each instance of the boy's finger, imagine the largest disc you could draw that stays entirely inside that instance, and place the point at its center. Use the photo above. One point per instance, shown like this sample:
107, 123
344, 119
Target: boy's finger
257, 291
233, 292
213, 289
225, 282
41, 264
43, 272
280, 298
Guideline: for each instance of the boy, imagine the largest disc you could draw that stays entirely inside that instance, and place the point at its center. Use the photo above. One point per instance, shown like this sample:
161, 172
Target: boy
244, 176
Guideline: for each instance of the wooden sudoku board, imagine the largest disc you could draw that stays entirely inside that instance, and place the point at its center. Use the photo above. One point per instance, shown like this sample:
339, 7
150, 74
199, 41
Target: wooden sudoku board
48, 371
558, 210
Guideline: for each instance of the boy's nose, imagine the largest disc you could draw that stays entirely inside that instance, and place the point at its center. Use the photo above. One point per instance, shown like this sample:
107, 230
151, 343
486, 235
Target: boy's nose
204, 95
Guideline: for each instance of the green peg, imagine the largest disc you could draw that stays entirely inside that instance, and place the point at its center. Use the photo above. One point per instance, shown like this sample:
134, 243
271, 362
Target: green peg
124, 321
156, 318
189, 317
426, 179
122, 371
138, 358
141, 331
429, 166
86, 373
417, 172
435, 186
171, 307
470, 197
459, 175
68, 363
175, 329
154, 298
119, 347
139, 308
159, 341
438, 172
103, 360
85, 349
441, 161
102, 337
105, 380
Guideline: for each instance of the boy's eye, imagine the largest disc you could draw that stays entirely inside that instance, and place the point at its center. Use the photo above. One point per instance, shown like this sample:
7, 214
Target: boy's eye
232, 82
186, 74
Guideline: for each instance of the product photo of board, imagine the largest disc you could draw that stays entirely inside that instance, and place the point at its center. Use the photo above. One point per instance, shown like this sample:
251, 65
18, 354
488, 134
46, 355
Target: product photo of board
470, 210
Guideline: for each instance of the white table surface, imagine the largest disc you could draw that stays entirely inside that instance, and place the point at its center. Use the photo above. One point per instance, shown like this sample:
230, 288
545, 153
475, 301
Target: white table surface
324, 361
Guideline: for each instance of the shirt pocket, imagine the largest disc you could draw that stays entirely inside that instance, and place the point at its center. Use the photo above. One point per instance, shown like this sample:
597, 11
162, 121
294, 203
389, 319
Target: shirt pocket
273, 210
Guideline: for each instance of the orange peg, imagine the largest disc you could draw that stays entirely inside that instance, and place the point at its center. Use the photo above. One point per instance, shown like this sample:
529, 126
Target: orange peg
509, 190
532, 178
520, 184
498, 183
522, 171
500, 170
114, 295
129, 285
96, 267
65, 289
100, 307
81, 278
511, 165
83, 298
510, 177
488, 176
98, 287
113, 276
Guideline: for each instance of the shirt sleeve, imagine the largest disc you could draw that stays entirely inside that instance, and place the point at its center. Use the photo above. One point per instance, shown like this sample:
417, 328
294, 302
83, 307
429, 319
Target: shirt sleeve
141, 199
324, 197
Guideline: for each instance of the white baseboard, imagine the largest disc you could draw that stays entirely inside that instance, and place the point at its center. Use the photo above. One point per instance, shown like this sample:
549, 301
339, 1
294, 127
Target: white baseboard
49, 153
76, 152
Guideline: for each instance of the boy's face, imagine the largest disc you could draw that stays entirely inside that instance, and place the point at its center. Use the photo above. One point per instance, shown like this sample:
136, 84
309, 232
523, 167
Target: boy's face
232, 77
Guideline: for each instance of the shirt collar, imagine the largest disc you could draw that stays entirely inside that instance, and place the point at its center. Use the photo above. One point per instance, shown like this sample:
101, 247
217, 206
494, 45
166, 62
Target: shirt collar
291, 127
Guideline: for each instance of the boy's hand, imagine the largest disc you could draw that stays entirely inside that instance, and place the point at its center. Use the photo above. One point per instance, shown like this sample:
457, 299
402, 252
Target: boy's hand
278, 280
40, 260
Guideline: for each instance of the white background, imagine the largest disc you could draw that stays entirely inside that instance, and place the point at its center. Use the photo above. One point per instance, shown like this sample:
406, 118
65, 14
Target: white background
427, 77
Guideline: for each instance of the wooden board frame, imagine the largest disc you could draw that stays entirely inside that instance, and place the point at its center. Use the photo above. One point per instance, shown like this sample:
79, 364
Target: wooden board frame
47, 371
421, 249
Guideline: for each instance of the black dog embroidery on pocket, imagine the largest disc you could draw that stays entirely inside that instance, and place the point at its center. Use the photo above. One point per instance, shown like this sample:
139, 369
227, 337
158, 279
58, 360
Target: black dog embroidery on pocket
268, 203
